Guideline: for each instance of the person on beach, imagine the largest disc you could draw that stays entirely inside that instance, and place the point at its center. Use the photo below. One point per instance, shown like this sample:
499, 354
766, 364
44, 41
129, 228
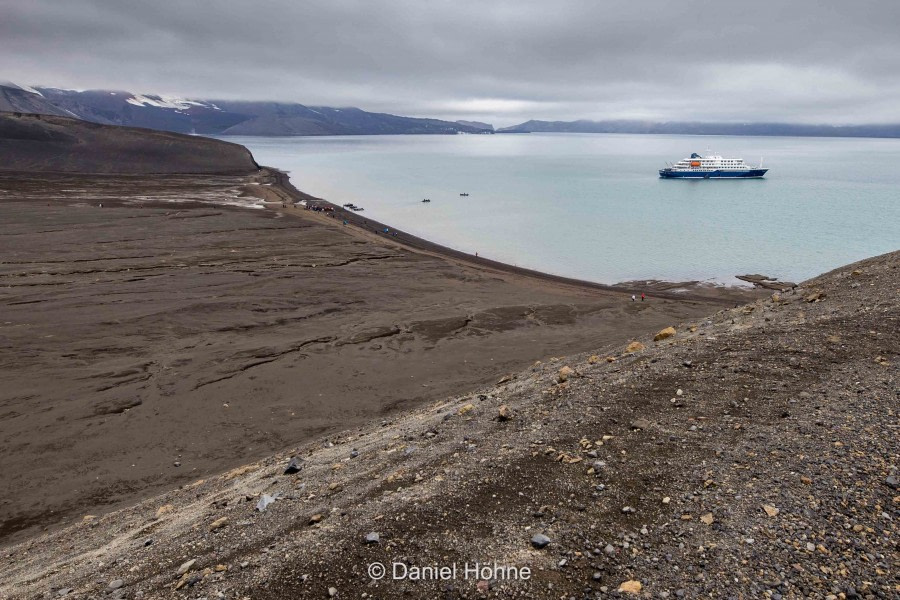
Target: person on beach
633, 298
642, 296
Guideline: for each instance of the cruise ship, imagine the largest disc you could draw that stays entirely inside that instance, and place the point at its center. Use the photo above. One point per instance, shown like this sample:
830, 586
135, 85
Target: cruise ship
712, 167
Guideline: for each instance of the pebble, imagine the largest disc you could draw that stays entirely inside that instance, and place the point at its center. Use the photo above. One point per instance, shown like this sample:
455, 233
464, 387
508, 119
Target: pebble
373, 538
610, 549
115, 584
186, 566
332, 592
540, 540
293, 466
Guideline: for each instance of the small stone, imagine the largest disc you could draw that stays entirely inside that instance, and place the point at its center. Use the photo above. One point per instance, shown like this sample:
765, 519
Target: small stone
597, 576
640, 424
687, 363
631, 587
504, 413
540, 541
891, 481
332, 592
115, 584
64, 592
593, 359
634, 347
770, 510
293, 466
186, 566
373, 538
218, 523
564, 373
610, 549
505, 379
707, 518
164, 510
679, 392
666, 500
466, 409
664, 333
316, 518
177, 463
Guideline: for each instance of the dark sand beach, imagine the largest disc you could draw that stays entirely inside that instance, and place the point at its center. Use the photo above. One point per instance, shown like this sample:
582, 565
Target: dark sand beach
165, 337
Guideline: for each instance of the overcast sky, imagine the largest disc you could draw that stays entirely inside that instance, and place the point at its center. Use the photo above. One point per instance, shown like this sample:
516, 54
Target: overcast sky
499, 61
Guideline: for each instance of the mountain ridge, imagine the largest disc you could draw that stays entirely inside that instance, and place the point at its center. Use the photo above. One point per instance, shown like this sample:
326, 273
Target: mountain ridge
887, 130
218, 117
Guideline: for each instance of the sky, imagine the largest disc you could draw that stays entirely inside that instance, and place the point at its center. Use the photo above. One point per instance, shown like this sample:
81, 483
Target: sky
501, 61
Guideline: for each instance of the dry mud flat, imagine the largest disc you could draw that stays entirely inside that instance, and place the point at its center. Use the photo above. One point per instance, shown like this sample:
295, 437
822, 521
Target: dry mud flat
164, 337
749, 454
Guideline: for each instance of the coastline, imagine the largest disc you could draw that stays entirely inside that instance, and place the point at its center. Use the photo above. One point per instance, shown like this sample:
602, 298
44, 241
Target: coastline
163, 337
690, 290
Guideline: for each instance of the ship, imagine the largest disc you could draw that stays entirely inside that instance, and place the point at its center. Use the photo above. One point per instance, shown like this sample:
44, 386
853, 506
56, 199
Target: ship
712, 167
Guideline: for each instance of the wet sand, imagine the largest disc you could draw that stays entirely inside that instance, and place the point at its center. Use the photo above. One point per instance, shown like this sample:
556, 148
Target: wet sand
149, 343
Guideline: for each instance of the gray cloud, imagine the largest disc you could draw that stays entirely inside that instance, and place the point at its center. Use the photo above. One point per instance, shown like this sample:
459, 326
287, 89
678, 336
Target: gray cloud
503, 61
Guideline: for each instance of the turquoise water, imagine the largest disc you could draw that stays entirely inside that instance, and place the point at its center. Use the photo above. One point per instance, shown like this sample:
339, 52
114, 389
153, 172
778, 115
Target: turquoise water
592, 206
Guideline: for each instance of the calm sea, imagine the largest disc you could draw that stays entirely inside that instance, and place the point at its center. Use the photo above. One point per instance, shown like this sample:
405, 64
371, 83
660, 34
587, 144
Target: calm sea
591, 206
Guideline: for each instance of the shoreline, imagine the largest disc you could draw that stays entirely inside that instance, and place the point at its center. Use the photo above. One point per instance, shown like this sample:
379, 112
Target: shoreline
695, 290
166, 336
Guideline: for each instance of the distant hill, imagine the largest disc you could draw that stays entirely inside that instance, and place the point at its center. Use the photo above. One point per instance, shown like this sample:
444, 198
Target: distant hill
478, 125
51, 143
693, 128
215, 117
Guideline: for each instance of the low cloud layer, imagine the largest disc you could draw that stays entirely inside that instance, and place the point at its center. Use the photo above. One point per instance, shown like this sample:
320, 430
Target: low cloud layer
501, 61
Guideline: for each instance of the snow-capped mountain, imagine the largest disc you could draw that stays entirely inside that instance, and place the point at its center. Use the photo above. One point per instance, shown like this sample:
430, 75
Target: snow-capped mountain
182, 115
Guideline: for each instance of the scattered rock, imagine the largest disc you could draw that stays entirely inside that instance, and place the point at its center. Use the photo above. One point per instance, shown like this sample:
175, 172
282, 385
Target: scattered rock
891, 481
332, 592
373, 538
770, 510
164, 510
115, 584
316, 518
707, 519
593, 359
540, 540
564, 373
293, 466
631, 587
664, 333
816, 296
265, 501
505, 379
466, 409
504, 413
640, 424
634, 347
186, 566
218, 523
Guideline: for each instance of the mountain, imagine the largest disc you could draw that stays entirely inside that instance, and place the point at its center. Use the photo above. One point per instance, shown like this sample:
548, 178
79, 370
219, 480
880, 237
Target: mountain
697, 128
51, 143
14, 98
206, 117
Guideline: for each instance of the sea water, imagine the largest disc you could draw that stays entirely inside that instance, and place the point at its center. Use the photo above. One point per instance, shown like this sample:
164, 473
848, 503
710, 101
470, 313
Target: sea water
592, 206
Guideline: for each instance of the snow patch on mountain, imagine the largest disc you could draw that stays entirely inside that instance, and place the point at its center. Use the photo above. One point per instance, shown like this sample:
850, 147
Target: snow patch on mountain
161, 101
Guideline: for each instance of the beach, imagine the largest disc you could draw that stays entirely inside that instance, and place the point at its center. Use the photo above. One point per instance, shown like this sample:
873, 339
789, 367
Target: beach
180, 330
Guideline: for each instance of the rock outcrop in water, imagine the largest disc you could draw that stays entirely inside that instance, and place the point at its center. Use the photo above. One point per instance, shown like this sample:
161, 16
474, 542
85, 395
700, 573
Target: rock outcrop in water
751, 454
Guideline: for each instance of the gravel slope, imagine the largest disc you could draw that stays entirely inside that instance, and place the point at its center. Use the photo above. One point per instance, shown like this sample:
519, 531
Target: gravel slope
752, 454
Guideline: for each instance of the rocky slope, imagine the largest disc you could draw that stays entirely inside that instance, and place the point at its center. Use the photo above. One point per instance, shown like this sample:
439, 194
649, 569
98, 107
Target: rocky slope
34, 143
750, 454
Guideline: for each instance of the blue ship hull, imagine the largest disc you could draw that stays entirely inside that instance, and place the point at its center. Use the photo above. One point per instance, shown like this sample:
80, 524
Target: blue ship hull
748, 174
